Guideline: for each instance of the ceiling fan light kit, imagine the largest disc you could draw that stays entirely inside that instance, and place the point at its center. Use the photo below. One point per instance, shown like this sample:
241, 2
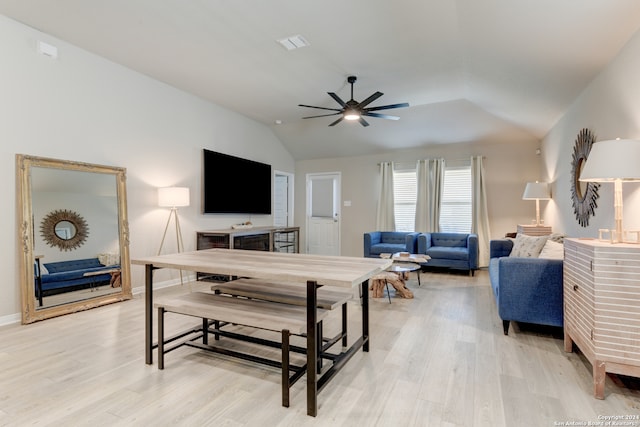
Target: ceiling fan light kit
351, 115
353, 110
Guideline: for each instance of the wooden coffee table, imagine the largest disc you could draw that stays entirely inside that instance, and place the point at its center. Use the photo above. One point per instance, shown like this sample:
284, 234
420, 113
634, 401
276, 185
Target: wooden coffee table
405, 263
402, 264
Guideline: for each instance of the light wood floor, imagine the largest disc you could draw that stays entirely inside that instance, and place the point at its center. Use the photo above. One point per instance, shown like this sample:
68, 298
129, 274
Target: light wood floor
437, 360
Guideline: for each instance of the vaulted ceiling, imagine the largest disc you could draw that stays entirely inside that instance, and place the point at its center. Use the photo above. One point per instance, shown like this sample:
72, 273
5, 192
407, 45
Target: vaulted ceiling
471, 70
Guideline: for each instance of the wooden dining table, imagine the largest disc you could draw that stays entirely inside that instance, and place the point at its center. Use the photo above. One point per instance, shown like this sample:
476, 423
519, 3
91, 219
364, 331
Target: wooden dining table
312, 271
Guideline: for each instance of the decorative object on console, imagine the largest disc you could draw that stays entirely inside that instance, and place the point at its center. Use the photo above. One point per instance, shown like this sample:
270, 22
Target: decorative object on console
173, 197
242, 225
614, 161
583, 195
537, 191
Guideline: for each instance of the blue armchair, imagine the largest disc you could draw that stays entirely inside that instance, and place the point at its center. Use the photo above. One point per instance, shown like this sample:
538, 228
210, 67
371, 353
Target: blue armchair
458, 251
526, 290
378, 242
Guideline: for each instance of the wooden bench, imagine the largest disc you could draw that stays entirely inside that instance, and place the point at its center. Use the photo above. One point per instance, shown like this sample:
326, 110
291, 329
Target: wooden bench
285, 319
283, 292
287, 293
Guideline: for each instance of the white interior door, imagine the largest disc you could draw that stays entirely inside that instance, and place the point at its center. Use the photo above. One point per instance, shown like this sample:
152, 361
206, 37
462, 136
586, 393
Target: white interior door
283, 199
323, 213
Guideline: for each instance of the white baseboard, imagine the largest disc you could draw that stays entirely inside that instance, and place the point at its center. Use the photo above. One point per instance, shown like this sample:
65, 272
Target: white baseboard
10, 319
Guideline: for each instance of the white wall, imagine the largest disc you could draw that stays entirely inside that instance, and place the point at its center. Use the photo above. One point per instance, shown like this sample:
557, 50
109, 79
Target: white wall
84, 108
610, 108
508, 167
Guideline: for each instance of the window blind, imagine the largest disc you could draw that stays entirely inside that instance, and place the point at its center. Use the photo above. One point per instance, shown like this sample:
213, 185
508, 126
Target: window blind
405, 193
456, 209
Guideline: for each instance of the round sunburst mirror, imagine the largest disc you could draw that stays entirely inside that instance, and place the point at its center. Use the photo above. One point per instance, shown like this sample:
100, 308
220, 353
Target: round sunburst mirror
584, 195
64, 229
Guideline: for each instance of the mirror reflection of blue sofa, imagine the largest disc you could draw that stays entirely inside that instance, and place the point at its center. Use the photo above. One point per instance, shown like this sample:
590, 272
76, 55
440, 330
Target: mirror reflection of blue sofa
63, 276
390, 242
457, 251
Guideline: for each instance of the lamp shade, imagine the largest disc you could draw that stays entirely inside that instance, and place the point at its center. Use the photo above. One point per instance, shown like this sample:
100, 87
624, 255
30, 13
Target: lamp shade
536, 191
173, 197
616, 159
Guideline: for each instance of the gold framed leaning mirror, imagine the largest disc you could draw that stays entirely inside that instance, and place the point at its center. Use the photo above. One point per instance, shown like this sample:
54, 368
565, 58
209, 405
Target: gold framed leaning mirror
63, 267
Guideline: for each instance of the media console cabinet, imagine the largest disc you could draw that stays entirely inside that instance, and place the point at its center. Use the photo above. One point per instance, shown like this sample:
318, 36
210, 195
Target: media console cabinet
602, 306
272, 239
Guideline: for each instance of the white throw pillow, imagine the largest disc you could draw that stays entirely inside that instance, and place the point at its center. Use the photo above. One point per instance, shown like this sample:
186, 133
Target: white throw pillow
552, 250
528, 246
108, 258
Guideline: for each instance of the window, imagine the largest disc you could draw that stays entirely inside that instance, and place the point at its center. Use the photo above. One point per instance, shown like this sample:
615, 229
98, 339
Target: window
455, 209
404, 198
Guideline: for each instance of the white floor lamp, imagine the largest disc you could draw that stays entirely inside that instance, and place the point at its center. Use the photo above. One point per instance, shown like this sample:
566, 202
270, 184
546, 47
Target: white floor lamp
173, 197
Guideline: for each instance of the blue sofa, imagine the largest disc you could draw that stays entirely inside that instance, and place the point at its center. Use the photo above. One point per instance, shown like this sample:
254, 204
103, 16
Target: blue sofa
379, 242
458, 251
66, 274
526, 290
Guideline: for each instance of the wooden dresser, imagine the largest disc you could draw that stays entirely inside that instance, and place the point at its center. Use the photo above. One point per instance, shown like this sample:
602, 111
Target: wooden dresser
602, 306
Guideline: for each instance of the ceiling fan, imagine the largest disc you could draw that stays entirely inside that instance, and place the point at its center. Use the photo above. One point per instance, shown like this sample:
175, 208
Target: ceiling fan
354, 110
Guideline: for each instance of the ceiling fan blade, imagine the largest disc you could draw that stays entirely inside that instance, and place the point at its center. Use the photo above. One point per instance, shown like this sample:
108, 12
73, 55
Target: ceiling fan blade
363, 122
381, 116
337, 98
322, 115
337, 121
387, 107
320, 108
370, 99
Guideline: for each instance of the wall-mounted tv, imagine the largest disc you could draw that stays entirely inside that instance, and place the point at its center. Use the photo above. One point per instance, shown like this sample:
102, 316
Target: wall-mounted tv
233, 185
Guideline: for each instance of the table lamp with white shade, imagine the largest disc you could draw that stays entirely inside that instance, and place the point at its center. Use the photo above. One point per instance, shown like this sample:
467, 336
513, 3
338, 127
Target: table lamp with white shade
537, 191
615, 160
173, 197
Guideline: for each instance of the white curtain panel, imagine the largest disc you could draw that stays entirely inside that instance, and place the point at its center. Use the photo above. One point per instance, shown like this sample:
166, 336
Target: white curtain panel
480, 215
385, 219
430, 180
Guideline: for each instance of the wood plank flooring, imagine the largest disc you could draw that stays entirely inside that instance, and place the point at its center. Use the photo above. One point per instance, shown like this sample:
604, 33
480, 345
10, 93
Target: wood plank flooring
439, 359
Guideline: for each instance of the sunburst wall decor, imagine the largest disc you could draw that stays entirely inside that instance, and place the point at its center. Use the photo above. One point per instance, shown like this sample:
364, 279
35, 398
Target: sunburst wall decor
584, 195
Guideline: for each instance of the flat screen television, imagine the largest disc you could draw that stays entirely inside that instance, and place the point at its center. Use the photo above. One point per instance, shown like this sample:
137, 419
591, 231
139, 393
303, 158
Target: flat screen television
233, 185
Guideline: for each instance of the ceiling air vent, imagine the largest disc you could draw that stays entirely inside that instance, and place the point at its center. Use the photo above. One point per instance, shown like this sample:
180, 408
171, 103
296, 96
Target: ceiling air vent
293, 42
